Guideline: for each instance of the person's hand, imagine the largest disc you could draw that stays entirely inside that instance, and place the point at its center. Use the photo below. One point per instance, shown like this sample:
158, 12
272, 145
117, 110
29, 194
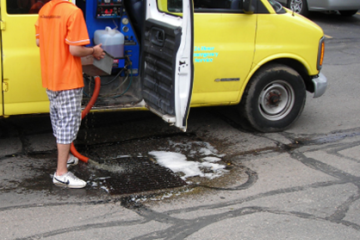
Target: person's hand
98, 52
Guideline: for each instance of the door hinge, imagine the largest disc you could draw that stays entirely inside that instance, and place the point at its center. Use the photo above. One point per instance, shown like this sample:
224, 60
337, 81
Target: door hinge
5, 86
2, 25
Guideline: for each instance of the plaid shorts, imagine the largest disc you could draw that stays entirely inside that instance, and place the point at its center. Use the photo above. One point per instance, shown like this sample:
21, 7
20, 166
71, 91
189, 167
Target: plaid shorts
65, 114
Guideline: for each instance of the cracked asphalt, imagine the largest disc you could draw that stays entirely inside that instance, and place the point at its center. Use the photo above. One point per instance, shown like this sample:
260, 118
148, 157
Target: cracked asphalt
303, 183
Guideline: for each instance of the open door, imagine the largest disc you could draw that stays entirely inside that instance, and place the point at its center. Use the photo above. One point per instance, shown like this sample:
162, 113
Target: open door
167, 60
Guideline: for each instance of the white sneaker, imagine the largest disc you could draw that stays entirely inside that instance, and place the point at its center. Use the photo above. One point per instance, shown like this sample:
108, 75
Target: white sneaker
72, 161
68, 180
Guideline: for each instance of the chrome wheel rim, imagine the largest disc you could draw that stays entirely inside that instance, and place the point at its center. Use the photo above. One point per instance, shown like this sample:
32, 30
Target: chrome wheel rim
276, 100
296, 5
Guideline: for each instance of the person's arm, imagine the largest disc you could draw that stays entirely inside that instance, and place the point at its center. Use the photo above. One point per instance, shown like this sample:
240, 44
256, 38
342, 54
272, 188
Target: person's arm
81, 51
38, 42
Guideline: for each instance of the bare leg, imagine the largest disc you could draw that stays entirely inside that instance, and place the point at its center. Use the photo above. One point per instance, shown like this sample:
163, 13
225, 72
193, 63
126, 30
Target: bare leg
63, 156
62, 177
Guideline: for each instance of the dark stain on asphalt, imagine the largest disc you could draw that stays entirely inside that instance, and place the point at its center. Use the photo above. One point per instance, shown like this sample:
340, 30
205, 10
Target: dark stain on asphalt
120, 168
118, 176
328, 138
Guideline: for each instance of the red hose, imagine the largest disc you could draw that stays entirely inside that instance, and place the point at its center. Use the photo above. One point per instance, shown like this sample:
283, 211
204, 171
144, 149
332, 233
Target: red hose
83, 114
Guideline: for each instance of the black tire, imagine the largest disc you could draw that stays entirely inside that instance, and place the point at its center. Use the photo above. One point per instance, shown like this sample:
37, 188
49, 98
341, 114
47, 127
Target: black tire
274, 98
348, 13
299, 6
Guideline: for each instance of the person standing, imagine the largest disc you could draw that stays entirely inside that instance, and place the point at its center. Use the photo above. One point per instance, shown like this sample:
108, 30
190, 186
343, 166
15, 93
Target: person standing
61, 35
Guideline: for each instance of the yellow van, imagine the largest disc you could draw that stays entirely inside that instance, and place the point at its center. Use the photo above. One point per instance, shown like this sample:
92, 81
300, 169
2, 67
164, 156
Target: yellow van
179, 54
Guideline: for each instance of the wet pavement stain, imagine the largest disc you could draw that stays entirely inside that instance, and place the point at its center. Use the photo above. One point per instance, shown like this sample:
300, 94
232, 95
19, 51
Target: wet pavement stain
328, 138
123, 176
125, 167
130, 175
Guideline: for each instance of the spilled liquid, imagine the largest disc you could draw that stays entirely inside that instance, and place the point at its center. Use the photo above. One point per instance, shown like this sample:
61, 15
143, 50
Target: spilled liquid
128, 175
120, 161
114, 168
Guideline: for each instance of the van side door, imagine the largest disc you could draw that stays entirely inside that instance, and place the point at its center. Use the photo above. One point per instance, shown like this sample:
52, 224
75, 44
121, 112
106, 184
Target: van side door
167, 61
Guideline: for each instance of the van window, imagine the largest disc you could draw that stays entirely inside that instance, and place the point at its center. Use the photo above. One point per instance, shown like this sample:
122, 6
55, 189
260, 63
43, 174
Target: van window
277, 6
24, 6
207, 5
175, 5
214, 4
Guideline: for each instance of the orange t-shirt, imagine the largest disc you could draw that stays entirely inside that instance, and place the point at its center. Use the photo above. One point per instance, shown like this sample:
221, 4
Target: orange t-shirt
60, 24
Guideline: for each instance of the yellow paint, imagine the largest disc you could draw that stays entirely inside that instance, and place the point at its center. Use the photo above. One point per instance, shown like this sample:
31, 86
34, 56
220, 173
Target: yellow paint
228, 46
21, 65
162, 5
231, 37
284, 35
327, 36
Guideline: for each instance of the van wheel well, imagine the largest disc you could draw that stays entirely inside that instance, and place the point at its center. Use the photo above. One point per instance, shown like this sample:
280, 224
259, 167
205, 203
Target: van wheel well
297, 66
274, 98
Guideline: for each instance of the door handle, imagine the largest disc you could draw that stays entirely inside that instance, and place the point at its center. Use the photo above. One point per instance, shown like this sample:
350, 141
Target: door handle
158, 36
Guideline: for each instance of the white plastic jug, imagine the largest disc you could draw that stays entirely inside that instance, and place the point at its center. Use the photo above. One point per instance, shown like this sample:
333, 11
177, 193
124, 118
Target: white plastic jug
112, 41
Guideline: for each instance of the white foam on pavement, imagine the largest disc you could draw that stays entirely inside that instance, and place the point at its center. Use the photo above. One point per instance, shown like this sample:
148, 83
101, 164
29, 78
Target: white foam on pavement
178, 162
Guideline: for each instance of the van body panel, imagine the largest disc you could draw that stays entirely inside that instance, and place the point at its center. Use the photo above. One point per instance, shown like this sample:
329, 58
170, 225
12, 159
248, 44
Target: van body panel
223, 55
288, 35
21, 64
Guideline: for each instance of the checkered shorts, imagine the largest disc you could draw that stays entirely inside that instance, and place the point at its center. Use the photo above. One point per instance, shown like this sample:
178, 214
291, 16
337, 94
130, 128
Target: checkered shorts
65, 114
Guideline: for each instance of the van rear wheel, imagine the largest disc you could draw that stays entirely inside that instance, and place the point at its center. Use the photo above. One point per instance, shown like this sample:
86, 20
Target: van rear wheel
274, 98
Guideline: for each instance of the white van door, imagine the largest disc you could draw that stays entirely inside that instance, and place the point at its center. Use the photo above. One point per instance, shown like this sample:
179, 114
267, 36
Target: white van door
167, 60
